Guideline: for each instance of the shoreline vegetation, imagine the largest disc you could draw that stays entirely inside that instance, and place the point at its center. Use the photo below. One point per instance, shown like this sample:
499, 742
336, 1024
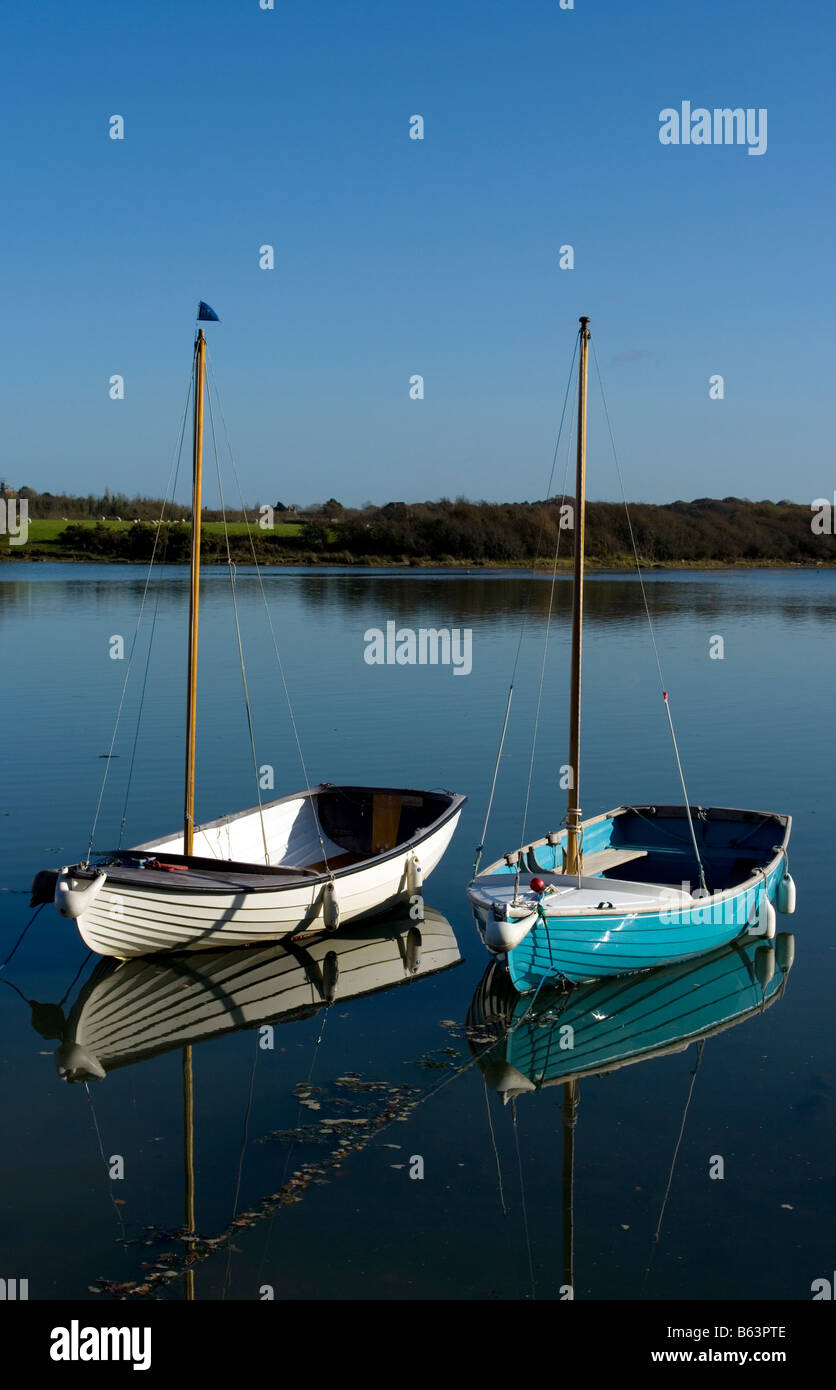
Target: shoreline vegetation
703, 534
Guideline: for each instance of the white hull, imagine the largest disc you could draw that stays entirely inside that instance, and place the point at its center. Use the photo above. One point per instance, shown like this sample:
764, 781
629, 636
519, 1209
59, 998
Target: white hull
128, 919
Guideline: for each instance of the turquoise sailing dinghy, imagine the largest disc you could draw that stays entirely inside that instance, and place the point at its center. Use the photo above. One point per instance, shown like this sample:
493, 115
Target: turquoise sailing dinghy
613, 894
628, 910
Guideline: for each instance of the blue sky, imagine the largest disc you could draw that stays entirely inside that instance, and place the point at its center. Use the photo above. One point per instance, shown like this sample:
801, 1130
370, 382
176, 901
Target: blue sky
439, 257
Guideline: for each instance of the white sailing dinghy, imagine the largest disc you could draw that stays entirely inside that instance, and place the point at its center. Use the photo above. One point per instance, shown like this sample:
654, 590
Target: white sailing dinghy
304, 862
613, 894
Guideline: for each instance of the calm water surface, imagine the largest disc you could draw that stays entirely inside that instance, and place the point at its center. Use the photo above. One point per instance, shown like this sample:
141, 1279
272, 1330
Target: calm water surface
303, 1152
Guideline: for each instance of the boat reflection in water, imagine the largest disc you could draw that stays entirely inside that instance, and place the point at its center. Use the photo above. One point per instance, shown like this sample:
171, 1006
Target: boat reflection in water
557, 1039
140, 1008
131, 1011
615, 1022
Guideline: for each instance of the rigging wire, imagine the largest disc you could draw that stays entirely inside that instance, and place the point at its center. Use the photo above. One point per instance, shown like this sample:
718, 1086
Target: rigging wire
175, 465
238, 631
481, 845
240, 1172
522, 1201
649, 619
657, 1233
294, 1143
114, 1200
123, 821
124, 817
279, 662
507, 1228
547, 634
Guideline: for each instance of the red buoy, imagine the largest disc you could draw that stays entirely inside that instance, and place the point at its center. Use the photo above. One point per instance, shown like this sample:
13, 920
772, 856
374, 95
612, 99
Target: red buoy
537, 885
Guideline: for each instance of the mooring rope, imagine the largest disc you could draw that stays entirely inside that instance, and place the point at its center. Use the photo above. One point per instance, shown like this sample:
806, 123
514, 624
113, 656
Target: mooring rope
494, 1147
22, 935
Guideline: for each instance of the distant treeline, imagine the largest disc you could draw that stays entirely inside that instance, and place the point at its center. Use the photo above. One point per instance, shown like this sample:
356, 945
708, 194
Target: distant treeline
705, 531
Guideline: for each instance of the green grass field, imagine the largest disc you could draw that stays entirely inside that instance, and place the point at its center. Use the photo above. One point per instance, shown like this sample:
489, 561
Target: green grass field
48, 531
239, 528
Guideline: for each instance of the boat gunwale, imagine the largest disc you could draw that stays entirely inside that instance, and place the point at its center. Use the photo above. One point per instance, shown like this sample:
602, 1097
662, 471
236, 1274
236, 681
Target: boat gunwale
783, 820
292, 878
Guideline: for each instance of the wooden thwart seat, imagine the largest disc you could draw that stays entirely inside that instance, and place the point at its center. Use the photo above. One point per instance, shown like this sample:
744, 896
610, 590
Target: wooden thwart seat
386, 815
610, 859
339, 861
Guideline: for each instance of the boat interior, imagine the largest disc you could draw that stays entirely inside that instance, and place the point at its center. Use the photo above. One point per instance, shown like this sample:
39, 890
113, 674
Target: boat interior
324, 829
652, 846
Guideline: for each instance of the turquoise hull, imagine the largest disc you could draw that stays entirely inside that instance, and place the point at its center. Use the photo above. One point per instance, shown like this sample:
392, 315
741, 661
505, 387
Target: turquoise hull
744, 854
573, 947
606, 1024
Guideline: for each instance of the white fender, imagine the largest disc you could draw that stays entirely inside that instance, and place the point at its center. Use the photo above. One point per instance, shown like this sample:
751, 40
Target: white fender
330, 976
763, 921
75, 1064
785, 951
785, 896
504, 936
330, 906
412, 962
764, 965
71, 902
504, 1078
414, 874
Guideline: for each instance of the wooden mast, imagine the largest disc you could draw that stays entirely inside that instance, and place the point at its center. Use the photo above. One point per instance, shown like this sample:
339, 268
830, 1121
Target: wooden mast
188, 1161
571, 1100
194, 591
191, 733
574, 853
